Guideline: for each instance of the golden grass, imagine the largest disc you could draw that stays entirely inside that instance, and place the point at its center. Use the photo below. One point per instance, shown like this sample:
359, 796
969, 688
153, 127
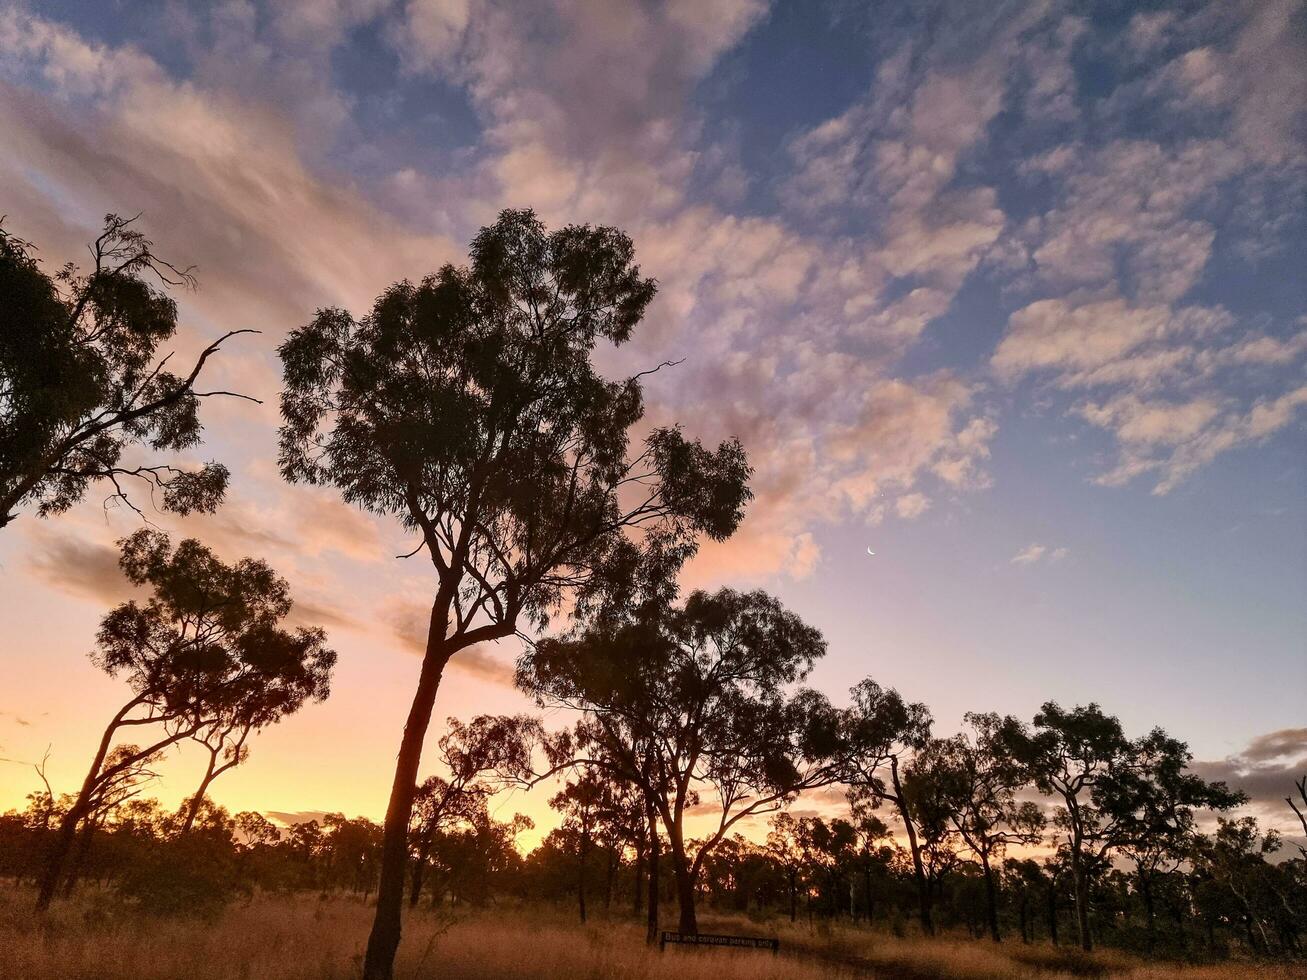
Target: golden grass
306, 938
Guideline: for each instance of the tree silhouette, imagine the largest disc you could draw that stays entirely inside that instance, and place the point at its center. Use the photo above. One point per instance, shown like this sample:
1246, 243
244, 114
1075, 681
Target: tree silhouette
1300, 811
979, 779
881, 730
874, 852
205, 647
81, 382
467, 406
1154, 801
488, 746
784, 848
1072, 755
694, 705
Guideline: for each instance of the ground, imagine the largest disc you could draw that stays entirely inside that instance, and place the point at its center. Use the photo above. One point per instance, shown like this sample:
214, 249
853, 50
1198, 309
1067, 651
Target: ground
302, 937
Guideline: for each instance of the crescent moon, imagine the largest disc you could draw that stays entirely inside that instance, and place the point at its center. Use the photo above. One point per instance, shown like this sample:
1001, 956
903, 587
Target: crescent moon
870, 552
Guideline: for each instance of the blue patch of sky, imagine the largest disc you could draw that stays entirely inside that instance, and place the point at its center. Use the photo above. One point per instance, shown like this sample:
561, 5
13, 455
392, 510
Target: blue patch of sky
804, 64
146, 25
404, 119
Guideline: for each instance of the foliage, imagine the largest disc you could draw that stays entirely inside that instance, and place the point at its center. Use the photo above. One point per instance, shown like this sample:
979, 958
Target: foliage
82, 384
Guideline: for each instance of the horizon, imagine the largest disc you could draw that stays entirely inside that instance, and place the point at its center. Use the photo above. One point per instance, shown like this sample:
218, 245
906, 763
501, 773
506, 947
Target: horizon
1014, 301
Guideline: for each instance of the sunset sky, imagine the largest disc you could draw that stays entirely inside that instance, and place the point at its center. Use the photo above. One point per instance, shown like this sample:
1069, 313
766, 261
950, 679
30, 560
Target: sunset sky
1012, 295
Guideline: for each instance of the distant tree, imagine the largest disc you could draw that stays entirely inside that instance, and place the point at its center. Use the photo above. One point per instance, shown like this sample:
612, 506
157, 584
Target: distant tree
488, 746
933, 810
693, 708
285, 683
580, 803
1269, 900
1074, 755
205, 646
467, 405
874, 852
1154, 802
979, 780
1116, 793
1026, 883
784, 848
130, 772
881, 732
81, 382
1300, 811
829, 852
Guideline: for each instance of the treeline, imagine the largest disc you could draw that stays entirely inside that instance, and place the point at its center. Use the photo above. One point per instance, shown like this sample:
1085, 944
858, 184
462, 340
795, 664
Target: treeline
467, 408
1214, 894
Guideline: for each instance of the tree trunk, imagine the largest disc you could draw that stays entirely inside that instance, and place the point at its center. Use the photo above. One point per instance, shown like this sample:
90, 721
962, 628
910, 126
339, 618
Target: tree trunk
919, 872
79, 858
197, 800
991, 900
608, 884
62, 843
419, 870
794, 893
1146, 893
1082, 898
655, 847
580, 875
379, 962
688, 924
1052, 911
637, 900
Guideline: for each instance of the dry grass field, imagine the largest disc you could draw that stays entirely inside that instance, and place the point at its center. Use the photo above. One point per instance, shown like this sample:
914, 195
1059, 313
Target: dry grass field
303, 938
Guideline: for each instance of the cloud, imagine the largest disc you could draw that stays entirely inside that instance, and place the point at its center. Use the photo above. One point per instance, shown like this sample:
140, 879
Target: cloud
1033, 553
220, 179
1116, 258
1266, 770
1174, 439
80, 567
310, 613
911, 505
288, 818
219, 169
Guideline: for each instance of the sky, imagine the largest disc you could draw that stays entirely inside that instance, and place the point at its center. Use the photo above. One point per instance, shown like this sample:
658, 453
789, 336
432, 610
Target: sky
1011, 294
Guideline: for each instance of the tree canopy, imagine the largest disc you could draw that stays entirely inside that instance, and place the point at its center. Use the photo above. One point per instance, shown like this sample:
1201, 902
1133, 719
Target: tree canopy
83, 389
468, 406
206, 649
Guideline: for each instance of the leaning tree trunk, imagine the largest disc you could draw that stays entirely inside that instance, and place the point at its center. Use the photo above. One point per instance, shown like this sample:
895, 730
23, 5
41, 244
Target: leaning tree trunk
918, 871
608, 883
62, 843
637, 900
197, 801
689, 922
379, 962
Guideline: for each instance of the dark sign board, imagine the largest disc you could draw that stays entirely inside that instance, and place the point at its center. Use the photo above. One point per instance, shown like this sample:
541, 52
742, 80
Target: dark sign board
706, 939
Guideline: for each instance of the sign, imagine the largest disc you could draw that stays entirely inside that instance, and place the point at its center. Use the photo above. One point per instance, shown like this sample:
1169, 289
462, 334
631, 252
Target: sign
706, 939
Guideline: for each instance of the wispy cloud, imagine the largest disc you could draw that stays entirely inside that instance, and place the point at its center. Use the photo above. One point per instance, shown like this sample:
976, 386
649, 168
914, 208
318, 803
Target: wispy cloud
1033, 553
